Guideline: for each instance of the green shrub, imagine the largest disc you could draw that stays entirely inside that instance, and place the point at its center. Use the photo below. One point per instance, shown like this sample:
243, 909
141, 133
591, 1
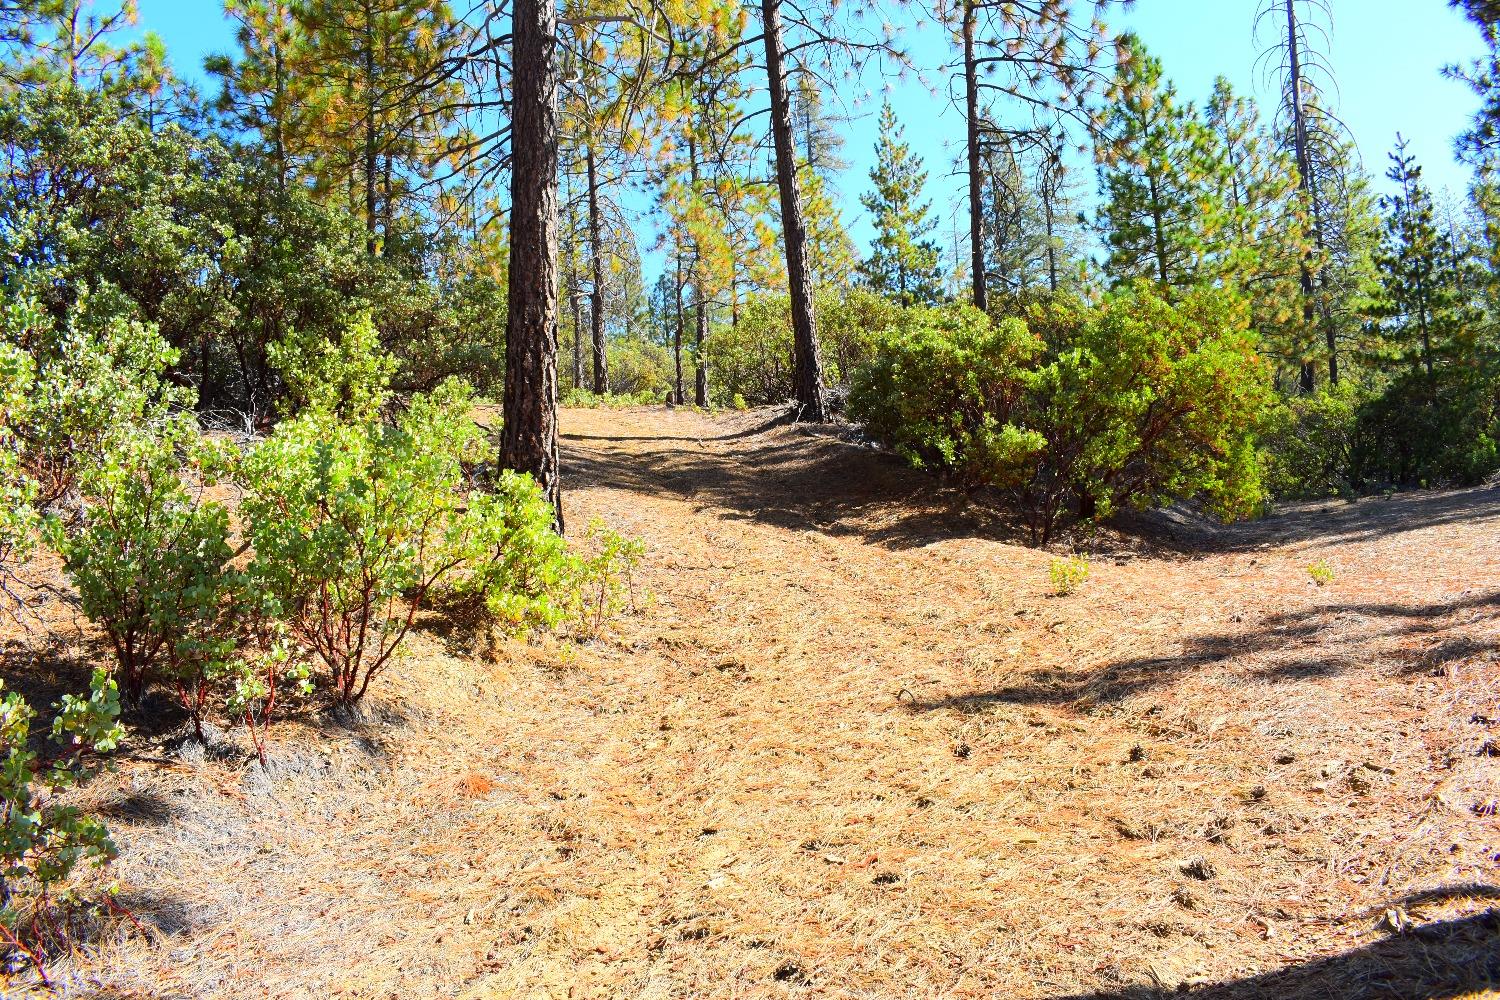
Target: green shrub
356, 524
41, 840
18, 513
1423, 430
95, 377
515, 563
1143, 403
944, 390
1309, 443
1320, 572
602, 582
584, 399
151, 560
751, 358
347, 378
1136, 401
1068, 574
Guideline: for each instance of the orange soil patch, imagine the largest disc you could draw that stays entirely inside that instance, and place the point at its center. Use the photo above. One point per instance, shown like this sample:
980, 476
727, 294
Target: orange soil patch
853, 747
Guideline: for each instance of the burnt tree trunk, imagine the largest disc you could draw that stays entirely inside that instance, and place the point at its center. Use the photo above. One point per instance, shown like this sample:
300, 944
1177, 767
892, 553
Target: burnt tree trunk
1307, 379
528, 438
596, 295
807, 366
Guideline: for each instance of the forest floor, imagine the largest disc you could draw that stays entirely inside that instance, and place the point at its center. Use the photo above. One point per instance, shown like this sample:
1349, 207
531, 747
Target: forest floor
852, 746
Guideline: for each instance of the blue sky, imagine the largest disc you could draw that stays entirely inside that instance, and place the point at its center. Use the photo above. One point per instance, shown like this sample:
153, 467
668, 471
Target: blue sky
1387, 56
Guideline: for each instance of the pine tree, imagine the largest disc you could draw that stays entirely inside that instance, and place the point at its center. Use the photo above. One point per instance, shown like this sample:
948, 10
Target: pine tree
261, 87
1016, 239
1263, 240
71, 43
820, 144
1043, 60
1156, 160
902, 264
377, 113
1421, 310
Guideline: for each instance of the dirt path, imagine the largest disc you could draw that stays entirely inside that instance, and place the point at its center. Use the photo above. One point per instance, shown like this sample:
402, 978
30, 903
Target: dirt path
854, 748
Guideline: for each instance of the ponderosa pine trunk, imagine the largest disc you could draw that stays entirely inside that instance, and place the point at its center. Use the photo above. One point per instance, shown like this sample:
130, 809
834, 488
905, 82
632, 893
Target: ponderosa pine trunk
700, 310
981, 297
807, 365
528, 437
677, 394
596, 295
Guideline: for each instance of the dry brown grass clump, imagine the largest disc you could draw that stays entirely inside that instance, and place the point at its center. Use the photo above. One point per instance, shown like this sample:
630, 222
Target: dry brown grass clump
856, 748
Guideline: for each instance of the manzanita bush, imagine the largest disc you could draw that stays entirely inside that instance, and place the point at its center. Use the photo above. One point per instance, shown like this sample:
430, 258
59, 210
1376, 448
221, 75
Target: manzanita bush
1133, 401
42, 840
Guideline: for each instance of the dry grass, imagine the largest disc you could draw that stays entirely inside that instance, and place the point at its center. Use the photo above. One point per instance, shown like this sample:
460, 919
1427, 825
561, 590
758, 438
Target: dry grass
855, 748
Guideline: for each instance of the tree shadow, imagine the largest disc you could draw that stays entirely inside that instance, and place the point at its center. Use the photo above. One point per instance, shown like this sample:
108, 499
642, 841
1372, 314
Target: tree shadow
826, 477
1448, 958
1296, 646
800, 478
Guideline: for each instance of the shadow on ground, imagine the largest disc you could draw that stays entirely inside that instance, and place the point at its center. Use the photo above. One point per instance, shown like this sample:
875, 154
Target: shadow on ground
1315, 642
1450, 958
806, 477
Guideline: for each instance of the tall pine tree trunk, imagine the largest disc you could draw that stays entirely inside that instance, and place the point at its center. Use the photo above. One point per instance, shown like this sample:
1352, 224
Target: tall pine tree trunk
700, 319
807, 366
596, 296
370, 148
981, 296
528, 437
677, 394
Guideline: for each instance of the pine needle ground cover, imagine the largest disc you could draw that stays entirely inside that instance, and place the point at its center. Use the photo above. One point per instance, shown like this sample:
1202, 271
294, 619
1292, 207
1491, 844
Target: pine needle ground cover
855, 745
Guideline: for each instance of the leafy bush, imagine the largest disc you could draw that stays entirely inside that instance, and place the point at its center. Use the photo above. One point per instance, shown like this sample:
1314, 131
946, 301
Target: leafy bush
584, 399
1134, 402
602, 582
18, 514
357, 523
1415, 430
41, 840
515, 563
944, 390
346, 378
1145, 402
1320, 572
751, 358
1068, 574
151, 560
1310, 441
1422, 430
95, 376
639, 369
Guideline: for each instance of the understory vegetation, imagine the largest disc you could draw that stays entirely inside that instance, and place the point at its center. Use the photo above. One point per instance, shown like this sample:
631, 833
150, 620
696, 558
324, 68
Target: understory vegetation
283, 343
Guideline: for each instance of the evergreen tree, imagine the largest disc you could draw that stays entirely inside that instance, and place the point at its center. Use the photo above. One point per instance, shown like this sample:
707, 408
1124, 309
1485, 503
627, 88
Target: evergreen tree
1264, 238
1420, 310
820, 144
1015, 234
1155, 162
902, 264
74, 44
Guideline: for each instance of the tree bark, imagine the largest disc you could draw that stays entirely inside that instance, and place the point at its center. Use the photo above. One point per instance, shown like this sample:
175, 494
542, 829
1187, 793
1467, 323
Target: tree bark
528, 438
807, 366
700, 306
369, 152
677, 394
981, 296
596, 295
